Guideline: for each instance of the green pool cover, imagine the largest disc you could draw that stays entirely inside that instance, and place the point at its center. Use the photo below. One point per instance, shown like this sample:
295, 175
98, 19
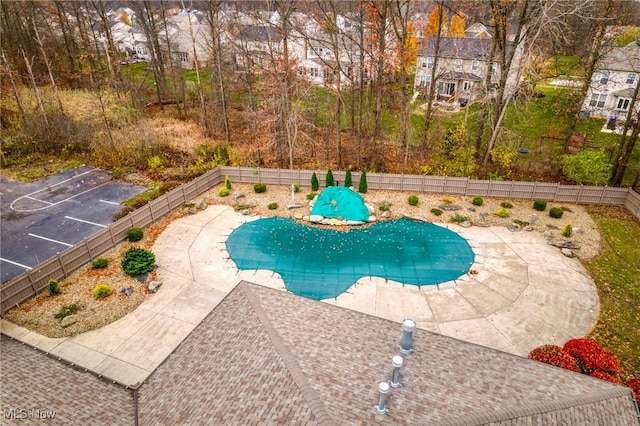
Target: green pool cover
338, 202
321, 263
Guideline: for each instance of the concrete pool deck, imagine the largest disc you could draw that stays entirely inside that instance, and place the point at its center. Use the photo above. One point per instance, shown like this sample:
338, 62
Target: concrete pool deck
520, 293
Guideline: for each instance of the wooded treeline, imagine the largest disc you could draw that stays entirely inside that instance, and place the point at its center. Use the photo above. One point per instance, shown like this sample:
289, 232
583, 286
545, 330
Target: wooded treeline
362, 119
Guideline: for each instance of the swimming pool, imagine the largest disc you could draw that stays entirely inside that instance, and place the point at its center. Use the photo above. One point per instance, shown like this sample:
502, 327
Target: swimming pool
322, 263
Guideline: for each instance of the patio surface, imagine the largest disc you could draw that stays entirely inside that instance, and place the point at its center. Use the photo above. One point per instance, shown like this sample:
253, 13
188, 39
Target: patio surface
521, 293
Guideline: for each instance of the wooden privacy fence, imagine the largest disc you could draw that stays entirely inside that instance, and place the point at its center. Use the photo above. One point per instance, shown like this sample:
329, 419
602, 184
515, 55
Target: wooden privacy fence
60, 266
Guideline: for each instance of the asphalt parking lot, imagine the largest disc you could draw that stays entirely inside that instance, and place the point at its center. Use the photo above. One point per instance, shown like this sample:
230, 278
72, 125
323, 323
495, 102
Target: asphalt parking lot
41, 219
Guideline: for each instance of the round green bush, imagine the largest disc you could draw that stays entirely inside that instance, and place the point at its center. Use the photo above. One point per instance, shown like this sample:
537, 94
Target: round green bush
506, 205
502, 212
223, 192
384, 207
296, 187
311, 196
99, 263
436, 212
556, 212
53, 287
102, 290
134, 234
540, 205
259, 188
477, 201
413, 200
272, 206
137, 261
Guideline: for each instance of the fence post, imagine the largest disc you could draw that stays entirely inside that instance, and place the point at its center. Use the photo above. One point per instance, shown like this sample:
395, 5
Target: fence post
489, 189
86, 243
33, 286
579, 197
64, 270
113, 240
604, 189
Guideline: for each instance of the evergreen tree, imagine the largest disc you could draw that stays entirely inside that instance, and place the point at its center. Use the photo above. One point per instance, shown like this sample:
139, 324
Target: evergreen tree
314, 182
347, 179
362, 188
329, 180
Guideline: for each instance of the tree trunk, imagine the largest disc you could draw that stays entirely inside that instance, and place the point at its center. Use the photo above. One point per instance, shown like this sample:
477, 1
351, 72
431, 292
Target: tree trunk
34, 86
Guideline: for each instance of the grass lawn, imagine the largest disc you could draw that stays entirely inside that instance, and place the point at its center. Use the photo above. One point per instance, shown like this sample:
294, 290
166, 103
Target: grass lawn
617, 275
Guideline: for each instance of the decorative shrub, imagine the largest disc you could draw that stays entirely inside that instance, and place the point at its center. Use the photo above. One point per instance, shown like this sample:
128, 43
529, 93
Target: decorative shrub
241, 207
634, 384
223, 192
100, 263
134, 234
102, 290
502, 212
296, 187
65, 311
477, 201
329, 179
413, 200
540, 205
520, 222
137, 261
457, 218
436, 212
272, 206
138, 202
554, 355
362, 187
447, 200
259, 188
348, 179
122, 213
556, 212
506, 205
384, 207
311, 196
605, 376
592, 357
53, 287
227, 182
314, 182
567, 230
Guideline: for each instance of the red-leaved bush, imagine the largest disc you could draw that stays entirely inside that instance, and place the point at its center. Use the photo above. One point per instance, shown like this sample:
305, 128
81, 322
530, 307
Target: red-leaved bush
634, 384
605, 376
592, 357
554, 355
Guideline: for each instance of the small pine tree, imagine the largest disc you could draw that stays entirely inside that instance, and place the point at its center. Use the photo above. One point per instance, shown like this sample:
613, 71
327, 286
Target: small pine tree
362, 187
227, 182
314, 182
329, 179
347, 179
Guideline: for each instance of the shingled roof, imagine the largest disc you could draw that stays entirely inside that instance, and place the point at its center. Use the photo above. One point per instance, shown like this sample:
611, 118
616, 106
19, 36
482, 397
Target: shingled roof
263, 356
460, 48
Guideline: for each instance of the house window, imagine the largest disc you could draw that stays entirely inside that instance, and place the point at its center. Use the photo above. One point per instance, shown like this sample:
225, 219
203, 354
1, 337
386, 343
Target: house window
598, 100
427, 63
623, 104
466, 85
457, 64
446, 89
494, 67
425, 80
313, 72
604, 77
631, 78
475, 65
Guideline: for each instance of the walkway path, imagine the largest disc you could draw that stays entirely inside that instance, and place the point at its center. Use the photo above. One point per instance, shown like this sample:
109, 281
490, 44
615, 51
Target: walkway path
522, 293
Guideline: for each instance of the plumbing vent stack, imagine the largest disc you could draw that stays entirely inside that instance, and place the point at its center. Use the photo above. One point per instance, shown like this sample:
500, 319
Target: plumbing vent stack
396, 361
408, 325
383, 388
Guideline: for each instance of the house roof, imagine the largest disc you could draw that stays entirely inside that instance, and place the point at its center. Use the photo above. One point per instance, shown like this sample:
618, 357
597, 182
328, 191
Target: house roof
455, 75
625, 58
259, 33
459, 48
263, 356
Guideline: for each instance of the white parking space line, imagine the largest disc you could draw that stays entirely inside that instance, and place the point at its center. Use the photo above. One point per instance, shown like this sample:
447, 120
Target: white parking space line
40, 201
16, 263
85, 221
110, 202
49, 239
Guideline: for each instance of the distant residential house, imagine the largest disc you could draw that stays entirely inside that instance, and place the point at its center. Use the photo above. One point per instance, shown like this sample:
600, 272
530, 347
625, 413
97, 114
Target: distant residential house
254, 45
477, 30
462, 67
613, 85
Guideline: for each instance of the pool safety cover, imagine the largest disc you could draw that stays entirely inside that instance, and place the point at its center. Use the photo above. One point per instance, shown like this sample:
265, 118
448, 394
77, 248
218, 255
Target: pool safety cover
339, 202
321, 263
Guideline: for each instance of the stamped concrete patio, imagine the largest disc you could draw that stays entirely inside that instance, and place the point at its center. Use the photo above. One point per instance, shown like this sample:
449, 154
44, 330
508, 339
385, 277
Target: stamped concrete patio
520, 293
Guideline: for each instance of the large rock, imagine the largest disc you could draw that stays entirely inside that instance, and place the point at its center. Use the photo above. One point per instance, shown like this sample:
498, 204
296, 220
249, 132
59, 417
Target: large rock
514, 227
127, 291
153, 286
567, 252
68, 320
565, 245
449, 207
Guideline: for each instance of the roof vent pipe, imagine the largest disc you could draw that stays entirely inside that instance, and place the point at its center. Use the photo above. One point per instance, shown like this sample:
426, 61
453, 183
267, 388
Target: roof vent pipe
396, 361
383, 388
408, 325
